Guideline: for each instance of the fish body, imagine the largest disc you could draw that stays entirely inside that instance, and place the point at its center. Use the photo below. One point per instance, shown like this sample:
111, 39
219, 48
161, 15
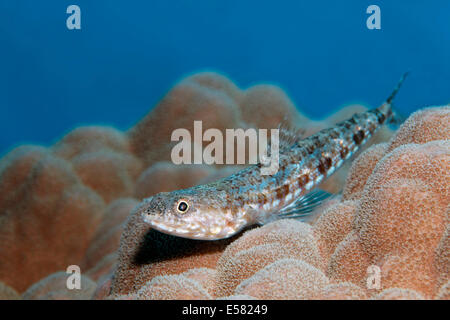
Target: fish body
223, 208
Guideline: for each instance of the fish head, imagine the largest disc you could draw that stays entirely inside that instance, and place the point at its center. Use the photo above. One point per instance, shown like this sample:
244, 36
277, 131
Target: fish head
189, 214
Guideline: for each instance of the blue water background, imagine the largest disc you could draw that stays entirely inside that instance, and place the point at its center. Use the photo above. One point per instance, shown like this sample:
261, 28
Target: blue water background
129, 54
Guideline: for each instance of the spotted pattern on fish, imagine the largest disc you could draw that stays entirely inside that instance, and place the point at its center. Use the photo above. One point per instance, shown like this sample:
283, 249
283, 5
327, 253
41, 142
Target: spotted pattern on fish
223, 208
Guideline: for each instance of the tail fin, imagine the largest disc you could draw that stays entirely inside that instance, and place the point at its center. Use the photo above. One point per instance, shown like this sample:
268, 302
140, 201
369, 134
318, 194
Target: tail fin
392, 117
397, 88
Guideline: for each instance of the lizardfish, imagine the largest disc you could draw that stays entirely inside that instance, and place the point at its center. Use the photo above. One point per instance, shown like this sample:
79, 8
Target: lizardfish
223, 208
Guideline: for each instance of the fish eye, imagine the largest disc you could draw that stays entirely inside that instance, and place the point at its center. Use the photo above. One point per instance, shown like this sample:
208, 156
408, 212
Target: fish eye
182, 206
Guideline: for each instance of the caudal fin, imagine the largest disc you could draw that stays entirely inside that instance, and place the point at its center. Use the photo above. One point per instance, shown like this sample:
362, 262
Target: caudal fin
387, 111
397, 88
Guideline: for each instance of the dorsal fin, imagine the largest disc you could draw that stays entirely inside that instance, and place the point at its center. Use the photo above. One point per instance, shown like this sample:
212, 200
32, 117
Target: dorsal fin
287, 137
288, 134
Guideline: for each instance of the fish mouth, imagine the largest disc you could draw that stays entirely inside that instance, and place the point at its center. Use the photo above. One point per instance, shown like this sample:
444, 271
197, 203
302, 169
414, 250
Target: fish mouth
177, 229
187, 230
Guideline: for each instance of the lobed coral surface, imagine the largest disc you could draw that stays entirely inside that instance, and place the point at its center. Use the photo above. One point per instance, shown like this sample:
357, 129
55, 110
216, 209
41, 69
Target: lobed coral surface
73, 204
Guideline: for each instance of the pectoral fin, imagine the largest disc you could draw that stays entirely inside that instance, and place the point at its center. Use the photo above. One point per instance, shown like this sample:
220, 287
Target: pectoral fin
304, 205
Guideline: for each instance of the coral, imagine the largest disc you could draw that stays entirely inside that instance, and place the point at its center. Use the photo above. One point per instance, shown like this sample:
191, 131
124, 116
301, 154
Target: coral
399, 216
423, 126
204, 276
97, 263
409, 271
314, 216
89, 139
444, 292
17, 167
101, 157
349, 262
398, 294
233, 270
116, 214
216, 81
169, 177
8, 293
237, 297
101, 258
54, 287
291, 234
103, 267
110, 174
333, 225
266, 106
428, 162
190, 100
103, 290
47, 216
361, 169
442, 256
262, 246
131, 296
341, 291
172, 287
107, 236
284, 279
